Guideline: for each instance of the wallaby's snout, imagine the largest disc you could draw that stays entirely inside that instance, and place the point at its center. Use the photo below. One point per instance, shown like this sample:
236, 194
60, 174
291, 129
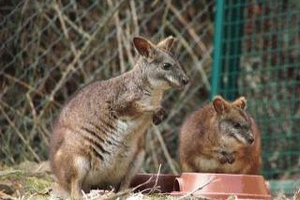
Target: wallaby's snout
250, 139
180, 79
244, 136
176, 77
185, 80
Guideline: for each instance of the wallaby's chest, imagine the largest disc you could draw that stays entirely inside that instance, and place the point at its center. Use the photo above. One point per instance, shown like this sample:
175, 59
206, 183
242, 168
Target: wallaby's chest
153, 99
213, 165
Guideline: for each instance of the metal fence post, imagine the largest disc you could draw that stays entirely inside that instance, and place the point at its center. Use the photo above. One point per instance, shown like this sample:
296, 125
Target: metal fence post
217, 49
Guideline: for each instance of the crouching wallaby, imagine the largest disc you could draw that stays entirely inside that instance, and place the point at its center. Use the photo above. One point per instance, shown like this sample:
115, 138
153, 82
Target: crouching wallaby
220, 138
98, 139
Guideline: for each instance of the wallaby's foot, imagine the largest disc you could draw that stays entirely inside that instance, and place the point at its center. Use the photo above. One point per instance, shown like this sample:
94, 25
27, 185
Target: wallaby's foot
76, 184
133, 170
76, 196
124, 185
58, 193
226, 158
159, 116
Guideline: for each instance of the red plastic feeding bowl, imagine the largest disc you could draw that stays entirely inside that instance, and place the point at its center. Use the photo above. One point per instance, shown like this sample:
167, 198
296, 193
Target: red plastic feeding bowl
221, 186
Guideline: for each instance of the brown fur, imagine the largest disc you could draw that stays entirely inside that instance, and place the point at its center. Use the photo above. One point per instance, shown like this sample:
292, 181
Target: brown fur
204, 147
98, 139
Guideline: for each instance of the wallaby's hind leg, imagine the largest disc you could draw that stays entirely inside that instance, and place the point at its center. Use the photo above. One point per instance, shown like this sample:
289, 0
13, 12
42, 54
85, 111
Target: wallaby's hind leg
70, 167
76, 185
132, 171
81, 168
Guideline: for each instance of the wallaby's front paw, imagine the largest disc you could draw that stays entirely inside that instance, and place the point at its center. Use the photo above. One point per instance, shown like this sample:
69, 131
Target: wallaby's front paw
230, 159
223, 160
226, 158
159, 116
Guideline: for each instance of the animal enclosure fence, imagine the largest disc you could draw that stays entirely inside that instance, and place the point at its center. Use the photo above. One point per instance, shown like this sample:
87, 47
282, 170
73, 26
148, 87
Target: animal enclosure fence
257, 54
49, 49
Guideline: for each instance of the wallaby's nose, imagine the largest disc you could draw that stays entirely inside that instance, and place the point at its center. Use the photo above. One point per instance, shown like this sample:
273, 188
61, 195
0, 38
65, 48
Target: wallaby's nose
250, 140
184, 81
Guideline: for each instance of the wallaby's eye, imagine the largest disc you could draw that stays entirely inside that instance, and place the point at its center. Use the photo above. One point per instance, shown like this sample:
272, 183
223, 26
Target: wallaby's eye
237, 125
167, 66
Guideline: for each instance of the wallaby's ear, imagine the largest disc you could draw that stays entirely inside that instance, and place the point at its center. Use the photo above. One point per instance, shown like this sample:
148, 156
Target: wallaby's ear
144, 47
167, 43
241, 102
220, 105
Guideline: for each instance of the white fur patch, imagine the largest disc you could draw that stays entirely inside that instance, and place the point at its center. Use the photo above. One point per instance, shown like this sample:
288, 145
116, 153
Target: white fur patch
58, 154
173, 80
122, 126
240, 138
82, 165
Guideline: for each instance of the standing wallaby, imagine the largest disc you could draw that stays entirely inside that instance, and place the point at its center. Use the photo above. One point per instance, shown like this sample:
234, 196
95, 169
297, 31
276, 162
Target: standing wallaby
220, 138
98, 139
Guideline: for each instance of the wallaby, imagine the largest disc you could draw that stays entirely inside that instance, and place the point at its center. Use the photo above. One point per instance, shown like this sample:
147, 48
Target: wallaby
98, 138
221, 137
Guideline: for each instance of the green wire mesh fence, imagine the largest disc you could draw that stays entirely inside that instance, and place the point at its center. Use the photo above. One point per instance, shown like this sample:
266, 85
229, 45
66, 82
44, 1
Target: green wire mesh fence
257, 54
